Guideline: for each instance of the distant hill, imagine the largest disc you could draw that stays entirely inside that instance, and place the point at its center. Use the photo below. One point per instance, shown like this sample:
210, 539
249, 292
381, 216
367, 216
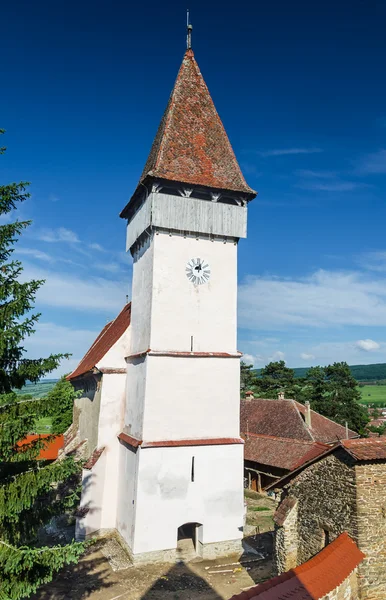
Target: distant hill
37, 390
376, 372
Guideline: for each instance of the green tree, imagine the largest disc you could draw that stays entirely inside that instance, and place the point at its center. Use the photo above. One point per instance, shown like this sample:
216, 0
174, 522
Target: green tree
344, 397
59, 403
31, 491
275, 378
333, 392
248, 379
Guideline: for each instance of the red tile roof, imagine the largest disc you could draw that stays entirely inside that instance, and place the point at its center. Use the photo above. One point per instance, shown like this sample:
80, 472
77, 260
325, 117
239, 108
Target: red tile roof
105, 340
315, 578
285, 419
323, 429
284, 453
51, 449
367, 448
93, 459
191, 145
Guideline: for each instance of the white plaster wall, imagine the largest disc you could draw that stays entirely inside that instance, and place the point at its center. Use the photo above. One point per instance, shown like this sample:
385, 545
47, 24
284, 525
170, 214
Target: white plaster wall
167, 498
93, 483
111, 408
142, 288
115, 357
110, 425
127, 489
135, 397
191, 398
181, 309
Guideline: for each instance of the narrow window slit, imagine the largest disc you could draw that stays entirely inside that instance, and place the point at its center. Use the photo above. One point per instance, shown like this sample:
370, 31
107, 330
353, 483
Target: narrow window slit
192, 471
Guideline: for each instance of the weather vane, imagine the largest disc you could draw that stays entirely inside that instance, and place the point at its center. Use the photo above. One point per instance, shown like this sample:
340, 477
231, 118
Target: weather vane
189, 28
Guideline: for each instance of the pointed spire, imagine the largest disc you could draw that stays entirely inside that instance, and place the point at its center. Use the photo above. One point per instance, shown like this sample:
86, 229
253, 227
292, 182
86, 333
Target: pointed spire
191, 145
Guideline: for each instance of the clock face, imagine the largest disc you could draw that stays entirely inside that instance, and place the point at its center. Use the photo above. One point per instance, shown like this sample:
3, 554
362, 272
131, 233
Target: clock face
198, 271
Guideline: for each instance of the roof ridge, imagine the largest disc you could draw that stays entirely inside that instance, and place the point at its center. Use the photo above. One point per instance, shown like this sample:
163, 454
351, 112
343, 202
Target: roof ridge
326, 418
285, 439
99, 347
308, 429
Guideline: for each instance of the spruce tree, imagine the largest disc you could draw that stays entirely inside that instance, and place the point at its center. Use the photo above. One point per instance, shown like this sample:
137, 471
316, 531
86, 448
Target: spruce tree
31, 491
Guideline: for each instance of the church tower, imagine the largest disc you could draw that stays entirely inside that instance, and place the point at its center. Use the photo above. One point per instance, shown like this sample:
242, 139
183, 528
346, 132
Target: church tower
181, 456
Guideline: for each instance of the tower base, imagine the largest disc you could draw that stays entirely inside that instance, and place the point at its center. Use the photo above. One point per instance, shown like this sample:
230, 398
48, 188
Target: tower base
204, 551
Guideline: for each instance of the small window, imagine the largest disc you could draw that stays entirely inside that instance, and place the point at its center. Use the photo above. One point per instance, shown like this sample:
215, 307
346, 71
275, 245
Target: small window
192, 470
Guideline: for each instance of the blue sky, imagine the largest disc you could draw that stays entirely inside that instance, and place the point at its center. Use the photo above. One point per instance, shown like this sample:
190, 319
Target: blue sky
301, 90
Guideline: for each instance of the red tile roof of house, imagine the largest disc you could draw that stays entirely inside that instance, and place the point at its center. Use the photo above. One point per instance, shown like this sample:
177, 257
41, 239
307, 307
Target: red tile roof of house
315, 578
109, 335
367, 448
51, 449
286, 419
284, 453
191, 145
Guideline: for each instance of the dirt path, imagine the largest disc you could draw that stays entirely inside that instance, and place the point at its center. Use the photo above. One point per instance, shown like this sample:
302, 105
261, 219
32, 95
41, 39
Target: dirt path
94, 579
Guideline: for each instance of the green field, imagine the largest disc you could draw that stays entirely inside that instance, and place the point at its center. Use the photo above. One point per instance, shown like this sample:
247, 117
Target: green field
43, 425
37, 390
374, 394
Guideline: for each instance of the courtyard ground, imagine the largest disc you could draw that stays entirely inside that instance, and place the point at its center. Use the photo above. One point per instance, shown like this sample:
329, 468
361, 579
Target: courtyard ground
93, 577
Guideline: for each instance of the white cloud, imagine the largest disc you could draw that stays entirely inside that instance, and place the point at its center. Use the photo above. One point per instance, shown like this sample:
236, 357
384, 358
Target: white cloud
367, 345
325, 298
96, 247
58, 235
333, 186
373, 261
317, 174
52, 338
373, 163
248, 359
91, 294
110, 267
286, 151
34, 253
305, 356
327, 181
278, 355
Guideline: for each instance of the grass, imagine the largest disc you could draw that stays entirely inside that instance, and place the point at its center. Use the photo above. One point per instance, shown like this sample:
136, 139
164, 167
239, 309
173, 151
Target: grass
259, 508
373, 394
43, 425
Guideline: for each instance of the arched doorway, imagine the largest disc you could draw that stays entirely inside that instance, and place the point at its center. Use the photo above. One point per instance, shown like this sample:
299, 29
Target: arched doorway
189, 540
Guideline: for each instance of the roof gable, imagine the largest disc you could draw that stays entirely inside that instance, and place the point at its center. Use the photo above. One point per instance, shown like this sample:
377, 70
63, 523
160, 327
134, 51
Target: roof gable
324, 429
109, 335
286, 419
191, 145
278, 418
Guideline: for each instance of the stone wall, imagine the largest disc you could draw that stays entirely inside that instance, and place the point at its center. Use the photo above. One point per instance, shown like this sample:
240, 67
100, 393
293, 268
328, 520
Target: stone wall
371, 510
286, 543
348, 590
326, 507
